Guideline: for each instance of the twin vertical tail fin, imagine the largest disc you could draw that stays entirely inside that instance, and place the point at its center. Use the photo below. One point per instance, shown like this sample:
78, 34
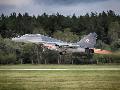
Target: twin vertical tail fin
88, 41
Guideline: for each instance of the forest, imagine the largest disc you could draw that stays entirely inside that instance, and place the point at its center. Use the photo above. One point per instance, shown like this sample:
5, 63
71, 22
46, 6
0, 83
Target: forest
66, 28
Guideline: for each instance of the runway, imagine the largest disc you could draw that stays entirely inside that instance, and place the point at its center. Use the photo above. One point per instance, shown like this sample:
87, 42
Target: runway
59, 69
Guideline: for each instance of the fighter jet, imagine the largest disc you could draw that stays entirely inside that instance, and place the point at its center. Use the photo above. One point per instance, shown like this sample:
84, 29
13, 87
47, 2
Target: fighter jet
85, 45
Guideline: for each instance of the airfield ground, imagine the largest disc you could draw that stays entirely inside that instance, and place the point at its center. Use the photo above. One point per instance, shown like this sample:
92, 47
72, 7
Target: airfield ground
60, 77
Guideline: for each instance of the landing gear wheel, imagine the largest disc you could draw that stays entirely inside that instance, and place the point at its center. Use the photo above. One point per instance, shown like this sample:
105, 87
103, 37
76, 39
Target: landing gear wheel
62, 53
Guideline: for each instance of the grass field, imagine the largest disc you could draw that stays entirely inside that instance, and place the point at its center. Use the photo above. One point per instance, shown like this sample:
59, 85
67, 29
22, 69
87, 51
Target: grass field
85, 77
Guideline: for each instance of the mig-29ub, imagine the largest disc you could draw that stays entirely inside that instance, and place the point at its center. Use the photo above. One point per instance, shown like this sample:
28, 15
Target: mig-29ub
85, 45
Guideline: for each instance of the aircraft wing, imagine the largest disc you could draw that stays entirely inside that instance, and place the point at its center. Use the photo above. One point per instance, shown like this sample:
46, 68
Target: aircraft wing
38, 39
29, 38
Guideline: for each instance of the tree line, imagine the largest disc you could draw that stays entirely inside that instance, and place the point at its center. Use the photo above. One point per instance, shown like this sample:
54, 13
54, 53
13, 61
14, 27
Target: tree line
66, 28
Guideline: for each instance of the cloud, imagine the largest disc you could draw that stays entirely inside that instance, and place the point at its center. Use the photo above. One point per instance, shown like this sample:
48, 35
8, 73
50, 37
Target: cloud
65, 7
65, 2
6, 8
15, 2
79, 7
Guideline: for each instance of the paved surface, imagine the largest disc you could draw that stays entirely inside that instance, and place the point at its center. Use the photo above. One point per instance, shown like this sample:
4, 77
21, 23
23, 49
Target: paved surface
64, 69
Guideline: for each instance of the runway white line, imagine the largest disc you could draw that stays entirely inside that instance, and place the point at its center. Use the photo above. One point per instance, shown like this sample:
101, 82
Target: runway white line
36, 69
59, 69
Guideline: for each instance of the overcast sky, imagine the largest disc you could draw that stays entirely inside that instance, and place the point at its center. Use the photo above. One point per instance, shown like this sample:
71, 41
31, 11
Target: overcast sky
64, 7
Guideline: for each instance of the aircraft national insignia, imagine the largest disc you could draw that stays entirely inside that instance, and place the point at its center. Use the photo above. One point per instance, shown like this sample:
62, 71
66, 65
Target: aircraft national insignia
87, 40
